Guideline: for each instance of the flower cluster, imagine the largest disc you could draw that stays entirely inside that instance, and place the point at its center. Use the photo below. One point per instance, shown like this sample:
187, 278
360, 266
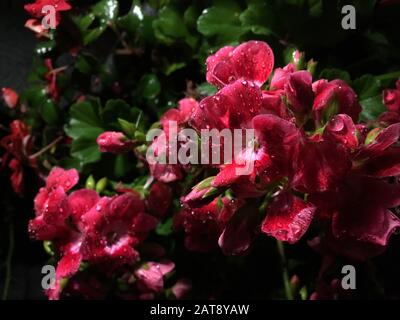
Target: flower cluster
103, 231
314, 162
316, 166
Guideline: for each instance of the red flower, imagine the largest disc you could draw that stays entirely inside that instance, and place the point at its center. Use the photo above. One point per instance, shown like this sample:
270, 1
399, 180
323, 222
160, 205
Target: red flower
342, 130
252, 61
281, 76
296, 86
361, 220
35, 9
233, 107
10, 97
380, 157
288, 217
114, 142
391, 98
168, 172
204, 224
159, 199
150, 275
18, 145
51, 205
334, 97
113, 227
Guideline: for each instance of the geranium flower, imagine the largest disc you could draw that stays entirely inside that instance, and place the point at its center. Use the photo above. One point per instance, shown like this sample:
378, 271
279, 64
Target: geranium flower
52, 206
35, 9
159, 199
252, 61
391, 99
113, 227
18, 146
361, 220
334, 97
288, 217
151, 276
204, 223
169, 172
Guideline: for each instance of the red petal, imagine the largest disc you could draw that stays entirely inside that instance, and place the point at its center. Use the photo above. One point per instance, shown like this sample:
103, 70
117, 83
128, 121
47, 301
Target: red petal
299, 92
159, 199
320, 166
80, 202
10, 97
386, 164
342, 130
67, 179
280, 138
325, 92
232, 107
281, 76
383, 140
252, 60
366, 217
288, 218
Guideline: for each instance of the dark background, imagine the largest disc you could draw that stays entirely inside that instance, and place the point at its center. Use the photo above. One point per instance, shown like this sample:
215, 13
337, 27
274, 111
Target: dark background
16, 54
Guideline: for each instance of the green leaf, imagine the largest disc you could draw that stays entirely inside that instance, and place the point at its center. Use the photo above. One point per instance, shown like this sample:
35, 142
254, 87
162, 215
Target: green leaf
122, 165
85, 150
221, 21
104, 12
372, 108
127, 127
50, 112
114, 109
164, 228
333, 73
85, 120
169, 26
149, 86
132, 20
258, 17
84, 127
83, 65
206, 89
366, 86
171, 68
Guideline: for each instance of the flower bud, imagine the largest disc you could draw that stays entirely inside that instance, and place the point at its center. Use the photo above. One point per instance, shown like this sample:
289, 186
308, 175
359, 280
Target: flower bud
114, 142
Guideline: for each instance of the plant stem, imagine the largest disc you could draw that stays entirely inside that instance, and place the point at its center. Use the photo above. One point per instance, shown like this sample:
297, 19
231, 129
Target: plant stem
8, 262
46, 148
285, 272
391, 75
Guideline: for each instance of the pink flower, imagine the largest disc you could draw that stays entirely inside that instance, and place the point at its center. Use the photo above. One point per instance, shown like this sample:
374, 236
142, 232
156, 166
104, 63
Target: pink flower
113, 227
114, 142
150, 275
